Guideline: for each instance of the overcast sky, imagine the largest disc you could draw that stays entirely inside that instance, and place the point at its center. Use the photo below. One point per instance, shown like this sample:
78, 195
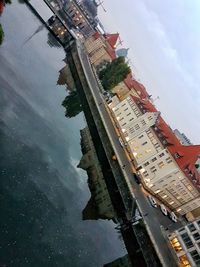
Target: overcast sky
164, 42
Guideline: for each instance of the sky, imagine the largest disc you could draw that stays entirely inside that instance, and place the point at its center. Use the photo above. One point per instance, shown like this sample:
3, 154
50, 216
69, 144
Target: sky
164, 42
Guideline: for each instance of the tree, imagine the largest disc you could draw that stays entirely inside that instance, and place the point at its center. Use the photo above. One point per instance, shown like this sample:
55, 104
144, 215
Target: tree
72, 104
1, 34
114, 73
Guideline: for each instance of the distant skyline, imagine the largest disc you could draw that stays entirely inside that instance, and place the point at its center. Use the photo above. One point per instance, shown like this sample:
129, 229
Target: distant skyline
164, 42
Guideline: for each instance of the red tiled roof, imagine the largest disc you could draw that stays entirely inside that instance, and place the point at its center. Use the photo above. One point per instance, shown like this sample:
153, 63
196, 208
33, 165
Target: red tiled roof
112, 39
111, 52
96, 35
162, 126
185, 156
128, 81
139, 88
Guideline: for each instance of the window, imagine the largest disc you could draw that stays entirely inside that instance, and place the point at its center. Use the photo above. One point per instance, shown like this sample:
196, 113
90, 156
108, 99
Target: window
148, 150
146, 164
131, 119
177, 156
161, 164
195, 257
196, 236
198, 222
184, 261
137, 127
123, 124
152, 168
191, 227
140, 136
187, 240
128, 114
143, 122
161, 155
143, 144
154, 159
125, 109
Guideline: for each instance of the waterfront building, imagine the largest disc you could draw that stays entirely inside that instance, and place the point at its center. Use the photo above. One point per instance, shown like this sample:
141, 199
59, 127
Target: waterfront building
129, 86
184, 140
80, 17
168, 169
185, 243
101, 48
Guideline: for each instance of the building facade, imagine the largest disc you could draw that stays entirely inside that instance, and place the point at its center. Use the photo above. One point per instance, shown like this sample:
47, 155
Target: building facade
101, 48
129, 86
166, 166
80, 18
99, 205
186, 244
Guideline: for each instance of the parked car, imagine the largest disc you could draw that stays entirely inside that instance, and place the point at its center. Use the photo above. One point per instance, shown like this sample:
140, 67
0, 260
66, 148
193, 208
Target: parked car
121, 142
136, 178
173, 216
163, 209
152, 201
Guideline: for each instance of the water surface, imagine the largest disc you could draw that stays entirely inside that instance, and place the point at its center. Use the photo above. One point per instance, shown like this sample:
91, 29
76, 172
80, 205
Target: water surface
42, 193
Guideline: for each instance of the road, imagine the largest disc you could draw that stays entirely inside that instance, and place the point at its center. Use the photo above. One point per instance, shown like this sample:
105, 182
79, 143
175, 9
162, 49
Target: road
153, 218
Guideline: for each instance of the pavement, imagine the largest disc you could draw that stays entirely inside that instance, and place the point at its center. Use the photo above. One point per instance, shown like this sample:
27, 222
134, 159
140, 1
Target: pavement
153, 218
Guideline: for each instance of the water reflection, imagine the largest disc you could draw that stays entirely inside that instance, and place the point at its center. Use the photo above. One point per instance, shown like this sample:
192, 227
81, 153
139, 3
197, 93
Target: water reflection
52, 42
72, 104
42, 193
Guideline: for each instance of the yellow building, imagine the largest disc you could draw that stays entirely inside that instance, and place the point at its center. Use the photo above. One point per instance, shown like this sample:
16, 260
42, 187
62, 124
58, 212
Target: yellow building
101, 48
130, 86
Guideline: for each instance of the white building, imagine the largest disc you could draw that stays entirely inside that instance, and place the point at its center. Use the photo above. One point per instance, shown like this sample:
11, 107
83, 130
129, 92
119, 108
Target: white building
167, 167
186, 244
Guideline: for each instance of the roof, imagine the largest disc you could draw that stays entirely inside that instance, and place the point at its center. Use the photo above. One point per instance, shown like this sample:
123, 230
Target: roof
161, 125
96, 35
185, 156
112, 39
139, 88
111, 52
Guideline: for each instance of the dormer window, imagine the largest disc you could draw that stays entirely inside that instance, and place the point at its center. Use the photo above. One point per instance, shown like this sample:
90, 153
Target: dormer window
165, 142
177, 156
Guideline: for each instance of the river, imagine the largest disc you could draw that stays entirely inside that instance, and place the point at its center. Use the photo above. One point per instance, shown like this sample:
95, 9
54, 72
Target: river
42, 193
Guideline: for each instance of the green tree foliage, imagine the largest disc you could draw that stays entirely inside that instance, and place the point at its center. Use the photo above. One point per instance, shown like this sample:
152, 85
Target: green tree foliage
8, 1
72, 104
1, 34
114, 73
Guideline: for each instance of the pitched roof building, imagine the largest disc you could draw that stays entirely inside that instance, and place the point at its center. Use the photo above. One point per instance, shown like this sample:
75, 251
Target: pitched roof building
167, 167
101, 47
